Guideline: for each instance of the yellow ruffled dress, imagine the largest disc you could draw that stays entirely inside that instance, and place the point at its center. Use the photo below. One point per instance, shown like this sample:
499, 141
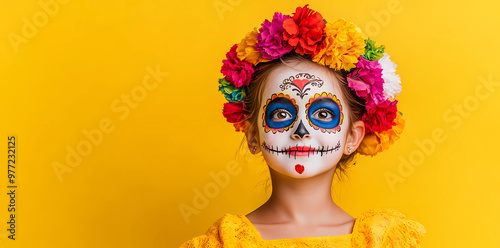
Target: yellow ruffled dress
373, 228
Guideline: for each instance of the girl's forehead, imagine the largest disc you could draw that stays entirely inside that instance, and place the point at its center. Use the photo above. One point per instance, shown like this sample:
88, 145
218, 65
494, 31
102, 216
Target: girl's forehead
301, 79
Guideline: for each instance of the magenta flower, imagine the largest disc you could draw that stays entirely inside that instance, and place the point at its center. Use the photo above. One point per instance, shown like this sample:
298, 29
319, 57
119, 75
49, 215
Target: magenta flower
270, 38
237, 72
367, 80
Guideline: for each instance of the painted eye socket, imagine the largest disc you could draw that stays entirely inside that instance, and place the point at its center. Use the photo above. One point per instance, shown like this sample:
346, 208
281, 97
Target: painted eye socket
280, 113
323, 114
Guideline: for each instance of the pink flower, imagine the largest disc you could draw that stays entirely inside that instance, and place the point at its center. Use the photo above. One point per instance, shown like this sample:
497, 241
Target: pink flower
379, 117
367, 80
237, 72
270, 38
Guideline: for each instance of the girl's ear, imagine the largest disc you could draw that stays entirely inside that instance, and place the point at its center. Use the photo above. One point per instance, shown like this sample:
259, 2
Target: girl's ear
354, 137
252, 141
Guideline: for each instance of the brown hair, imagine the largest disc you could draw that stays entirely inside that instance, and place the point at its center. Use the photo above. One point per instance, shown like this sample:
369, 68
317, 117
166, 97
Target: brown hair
355, 104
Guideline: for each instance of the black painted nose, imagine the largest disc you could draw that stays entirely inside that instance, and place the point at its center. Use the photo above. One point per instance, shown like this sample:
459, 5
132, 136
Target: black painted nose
301, 131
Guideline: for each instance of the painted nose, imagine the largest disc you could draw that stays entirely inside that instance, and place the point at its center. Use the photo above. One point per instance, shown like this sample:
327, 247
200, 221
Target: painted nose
301, 132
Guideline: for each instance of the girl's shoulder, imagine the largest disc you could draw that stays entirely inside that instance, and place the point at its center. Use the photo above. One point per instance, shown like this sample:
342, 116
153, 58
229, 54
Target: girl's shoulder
379, 227
228, 231
384, 227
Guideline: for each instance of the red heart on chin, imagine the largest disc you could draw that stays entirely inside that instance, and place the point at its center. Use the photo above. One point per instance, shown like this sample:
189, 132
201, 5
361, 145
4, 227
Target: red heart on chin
299, 168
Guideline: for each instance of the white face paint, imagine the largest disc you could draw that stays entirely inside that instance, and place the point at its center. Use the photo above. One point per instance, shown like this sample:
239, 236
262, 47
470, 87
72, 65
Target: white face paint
303, 121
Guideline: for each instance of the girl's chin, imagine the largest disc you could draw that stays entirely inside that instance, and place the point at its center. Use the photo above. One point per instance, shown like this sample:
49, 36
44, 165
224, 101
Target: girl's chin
300, 171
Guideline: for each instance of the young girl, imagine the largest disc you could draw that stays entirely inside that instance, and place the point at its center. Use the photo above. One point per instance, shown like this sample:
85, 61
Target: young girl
310, 95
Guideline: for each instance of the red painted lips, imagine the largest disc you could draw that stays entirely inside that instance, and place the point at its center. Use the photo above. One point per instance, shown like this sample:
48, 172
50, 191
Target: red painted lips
299, 168
301, 150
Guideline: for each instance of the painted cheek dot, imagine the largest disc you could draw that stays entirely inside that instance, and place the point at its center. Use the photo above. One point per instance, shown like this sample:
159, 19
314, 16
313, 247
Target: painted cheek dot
299, 168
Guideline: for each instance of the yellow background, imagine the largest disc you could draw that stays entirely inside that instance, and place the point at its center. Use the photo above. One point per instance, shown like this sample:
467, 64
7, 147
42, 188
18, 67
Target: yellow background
84, 56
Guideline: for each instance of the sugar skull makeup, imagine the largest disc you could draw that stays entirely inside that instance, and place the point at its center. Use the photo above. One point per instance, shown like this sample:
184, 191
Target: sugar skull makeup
300, 82
324, 112
303, 124
280, 113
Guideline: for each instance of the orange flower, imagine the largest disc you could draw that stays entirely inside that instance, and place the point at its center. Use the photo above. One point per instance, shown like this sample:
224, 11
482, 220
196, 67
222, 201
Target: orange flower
343, 45
374, 143
246, 49
240, 126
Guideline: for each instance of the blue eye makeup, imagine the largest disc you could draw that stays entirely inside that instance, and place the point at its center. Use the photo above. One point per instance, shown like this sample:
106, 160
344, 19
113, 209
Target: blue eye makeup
324, 112
280, 112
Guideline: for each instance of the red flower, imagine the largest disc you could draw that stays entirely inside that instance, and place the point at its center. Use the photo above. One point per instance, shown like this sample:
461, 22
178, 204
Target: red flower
304, 31
233, 111
380, 117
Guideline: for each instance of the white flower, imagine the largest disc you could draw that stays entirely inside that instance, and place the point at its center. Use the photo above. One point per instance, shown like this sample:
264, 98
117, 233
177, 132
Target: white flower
392, 81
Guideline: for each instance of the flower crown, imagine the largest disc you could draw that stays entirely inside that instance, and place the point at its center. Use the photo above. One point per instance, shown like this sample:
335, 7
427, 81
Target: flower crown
338, 45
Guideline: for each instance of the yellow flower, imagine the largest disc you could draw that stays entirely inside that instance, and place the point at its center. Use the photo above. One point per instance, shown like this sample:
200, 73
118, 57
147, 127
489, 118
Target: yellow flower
246, 49
343, 44
374, 143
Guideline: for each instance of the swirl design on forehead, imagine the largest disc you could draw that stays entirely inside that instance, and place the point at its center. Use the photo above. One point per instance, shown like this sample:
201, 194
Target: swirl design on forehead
279, 113
299, 83
324, 112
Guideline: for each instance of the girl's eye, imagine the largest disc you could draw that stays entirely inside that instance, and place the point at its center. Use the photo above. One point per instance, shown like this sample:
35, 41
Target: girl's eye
281, 115
323, 114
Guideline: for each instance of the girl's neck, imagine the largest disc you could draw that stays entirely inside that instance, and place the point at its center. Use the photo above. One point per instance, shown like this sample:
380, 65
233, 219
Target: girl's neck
302, 201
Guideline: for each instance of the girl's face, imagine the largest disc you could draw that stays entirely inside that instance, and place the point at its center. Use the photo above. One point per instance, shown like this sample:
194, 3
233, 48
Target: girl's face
303, 121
